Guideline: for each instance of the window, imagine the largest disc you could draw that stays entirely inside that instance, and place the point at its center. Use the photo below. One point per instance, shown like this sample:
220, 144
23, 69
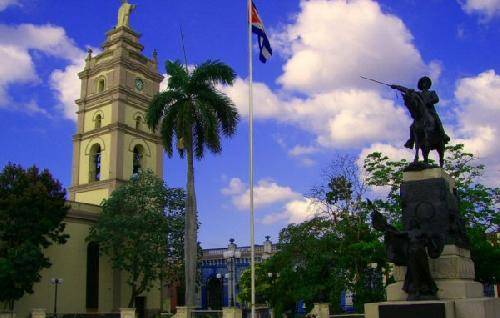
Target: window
95, 163
98, 121
138, 159
101, 85
138, 122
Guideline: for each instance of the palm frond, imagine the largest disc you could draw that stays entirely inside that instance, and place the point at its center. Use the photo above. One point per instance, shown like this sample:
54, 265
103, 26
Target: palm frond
223, 106
179, 77
208, 119
199, 140
214, 72
158, 106
167, 131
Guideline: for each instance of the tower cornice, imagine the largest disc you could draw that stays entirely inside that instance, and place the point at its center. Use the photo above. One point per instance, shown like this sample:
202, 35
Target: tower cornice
126, 62
117, 93
117, 126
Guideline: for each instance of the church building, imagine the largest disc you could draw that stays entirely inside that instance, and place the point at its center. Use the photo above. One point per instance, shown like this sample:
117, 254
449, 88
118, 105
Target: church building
111, 143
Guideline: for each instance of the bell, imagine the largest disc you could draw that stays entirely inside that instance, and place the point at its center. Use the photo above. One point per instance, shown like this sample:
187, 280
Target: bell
180, 144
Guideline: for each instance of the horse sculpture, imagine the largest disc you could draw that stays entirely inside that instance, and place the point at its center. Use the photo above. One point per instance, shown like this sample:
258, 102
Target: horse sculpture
426, 132
424, 128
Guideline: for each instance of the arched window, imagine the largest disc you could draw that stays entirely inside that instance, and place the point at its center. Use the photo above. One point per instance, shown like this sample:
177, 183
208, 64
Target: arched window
101, 85
92, 290
95, 163
98, 121
138, 159
138, 122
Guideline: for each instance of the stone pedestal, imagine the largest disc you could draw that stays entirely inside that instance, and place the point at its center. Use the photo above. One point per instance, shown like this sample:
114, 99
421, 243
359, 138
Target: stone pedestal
127, 312
38, 313
321, 310
458, 308
231, 312
429, 195
453, 272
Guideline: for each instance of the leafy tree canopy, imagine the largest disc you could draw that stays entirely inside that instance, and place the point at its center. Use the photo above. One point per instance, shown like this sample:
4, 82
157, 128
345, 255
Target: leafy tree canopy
32, 209
331, 253
141, 230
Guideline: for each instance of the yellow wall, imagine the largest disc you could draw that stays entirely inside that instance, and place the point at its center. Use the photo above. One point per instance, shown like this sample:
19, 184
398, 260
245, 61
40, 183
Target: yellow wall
152, 296
69, 262
130, 115
104, 140
149, 159
88, 121
92, 197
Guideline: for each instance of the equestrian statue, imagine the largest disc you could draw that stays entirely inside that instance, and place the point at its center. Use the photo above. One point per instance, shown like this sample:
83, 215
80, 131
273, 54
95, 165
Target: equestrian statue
426, 131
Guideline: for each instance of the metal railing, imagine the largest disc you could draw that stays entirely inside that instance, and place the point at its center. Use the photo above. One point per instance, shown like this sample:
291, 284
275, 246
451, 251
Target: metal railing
262, 312
86, 315
206, 313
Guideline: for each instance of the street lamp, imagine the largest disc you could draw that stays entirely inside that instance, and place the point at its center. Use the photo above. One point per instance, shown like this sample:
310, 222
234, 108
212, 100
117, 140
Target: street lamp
56, 282
273, 277
230, 255
221, 282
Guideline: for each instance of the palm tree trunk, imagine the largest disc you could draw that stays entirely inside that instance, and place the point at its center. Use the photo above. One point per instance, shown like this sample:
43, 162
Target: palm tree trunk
190, 232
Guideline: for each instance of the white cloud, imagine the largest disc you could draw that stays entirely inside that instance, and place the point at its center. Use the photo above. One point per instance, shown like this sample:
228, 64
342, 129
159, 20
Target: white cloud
267, 104
331, 43
6, 3
235, 187
164, 83
478, 98
300, 150
295, 211
342, 118
66, 85
326, 48
486, 8
295, 207
17, 43
266, 193
393, 152
16, 67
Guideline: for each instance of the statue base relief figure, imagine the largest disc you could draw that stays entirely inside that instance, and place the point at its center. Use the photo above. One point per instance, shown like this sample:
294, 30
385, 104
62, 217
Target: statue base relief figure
433, 270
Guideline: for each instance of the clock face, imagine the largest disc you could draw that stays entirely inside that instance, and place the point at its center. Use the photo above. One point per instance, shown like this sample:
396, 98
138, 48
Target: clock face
139, 84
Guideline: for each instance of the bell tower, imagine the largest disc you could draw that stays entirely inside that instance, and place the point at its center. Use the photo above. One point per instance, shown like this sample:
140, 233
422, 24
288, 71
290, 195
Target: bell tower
113, 141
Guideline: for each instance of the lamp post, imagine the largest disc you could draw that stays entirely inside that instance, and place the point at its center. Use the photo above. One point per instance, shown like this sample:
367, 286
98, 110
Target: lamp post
221, 282
230, 255
273, 277
56, 282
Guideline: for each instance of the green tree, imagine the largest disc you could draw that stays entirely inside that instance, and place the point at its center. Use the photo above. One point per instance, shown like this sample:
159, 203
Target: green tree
331, 253
192, 111
32, 209
139, 229
477, 202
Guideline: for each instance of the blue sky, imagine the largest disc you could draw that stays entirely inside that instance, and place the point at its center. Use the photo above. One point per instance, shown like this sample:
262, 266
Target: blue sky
311, 104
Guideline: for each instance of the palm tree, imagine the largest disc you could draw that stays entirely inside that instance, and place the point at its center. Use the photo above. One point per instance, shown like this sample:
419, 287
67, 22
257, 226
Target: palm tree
194, 113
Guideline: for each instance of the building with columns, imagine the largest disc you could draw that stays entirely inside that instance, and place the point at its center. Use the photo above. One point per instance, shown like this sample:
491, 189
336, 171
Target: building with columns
111, 143
220, 265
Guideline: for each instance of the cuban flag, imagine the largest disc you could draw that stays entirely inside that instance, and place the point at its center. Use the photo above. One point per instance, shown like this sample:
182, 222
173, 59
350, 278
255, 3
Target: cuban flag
258, 28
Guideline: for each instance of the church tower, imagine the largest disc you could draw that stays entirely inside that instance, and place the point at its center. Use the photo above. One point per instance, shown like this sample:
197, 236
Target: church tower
113, 141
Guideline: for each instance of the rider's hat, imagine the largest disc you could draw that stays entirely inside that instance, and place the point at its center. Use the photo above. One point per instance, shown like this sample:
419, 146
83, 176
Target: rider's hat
424, 83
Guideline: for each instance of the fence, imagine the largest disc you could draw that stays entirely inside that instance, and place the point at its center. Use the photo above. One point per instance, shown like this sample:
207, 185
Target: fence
206, 313
85, 315
262, 312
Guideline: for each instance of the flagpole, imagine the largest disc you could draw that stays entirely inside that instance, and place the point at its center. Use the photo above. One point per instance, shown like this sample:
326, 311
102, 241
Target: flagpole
251, 172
